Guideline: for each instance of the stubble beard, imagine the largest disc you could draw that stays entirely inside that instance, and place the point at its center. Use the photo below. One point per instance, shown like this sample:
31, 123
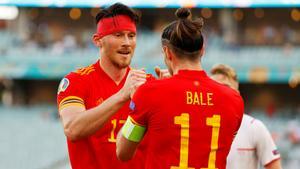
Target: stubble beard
121, 64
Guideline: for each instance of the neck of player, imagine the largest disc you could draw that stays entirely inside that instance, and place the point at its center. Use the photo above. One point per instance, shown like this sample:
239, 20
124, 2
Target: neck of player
115, 73
186, 65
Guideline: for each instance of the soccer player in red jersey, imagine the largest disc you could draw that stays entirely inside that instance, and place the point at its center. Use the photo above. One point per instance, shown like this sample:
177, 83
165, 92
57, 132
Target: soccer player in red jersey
93, 101
189, 119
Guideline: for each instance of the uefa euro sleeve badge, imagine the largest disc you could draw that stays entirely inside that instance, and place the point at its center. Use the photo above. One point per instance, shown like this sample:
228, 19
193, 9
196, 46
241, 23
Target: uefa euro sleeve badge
63, 85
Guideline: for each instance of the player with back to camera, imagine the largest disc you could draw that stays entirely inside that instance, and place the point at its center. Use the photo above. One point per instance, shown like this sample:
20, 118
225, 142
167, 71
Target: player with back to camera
189, 119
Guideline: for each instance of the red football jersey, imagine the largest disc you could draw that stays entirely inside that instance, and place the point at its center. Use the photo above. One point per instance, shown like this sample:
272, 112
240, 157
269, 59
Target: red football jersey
89, 87
191, 121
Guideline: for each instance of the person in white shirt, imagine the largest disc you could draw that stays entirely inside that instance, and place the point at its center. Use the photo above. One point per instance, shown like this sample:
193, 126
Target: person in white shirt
253, 144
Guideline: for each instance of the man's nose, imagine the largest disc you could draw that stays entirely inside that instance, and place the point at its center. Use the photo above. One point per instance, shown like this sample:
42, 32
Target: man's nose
126, 40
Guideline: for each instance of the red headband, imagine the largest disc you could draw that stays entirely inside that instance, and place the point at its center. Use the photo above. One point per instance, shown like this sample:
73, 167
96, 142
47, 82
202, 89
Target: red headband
114, 24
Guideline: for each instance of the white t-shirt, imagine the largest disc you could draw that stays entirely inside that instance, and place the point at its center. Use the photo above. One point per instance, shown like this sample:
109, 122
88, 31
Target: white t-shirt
253, 145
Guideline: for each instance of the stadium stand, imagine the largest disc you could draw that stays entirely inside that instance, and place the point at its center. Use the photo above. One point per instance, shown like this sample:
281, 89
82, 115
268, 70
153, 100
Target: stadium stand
32, 138
265, 53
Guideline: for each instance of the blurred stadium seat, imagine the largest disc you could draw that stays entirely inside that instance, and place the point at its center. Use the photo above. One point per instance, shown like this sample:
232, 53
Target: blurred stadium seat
31, 138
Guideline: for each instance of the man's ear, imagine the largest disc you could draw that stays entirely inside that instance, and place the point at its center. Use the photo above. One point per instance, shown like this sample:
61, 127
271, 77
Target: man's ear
97, 40
202, 51
169, 53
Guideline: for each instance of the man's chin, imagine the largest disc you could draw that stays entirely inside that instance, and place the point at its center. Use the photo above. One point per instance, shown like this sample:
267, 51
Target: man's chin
122, 65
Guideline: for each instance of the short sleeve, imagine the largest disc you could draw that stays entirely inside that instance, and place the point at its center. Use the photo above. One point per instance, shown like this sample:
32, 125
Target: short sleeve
266, 148
139, 106
71, 92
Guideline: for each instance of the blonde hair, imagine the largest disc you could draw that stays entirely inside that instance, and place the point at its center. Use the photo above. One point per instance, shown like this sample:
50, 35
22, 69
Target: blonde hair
225, 70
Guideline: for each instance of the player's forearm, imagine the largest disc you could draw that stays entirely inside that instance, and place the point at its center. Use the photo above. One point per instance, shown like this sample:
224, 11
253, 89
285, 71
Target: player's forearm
274, 165
89, 121
125, 149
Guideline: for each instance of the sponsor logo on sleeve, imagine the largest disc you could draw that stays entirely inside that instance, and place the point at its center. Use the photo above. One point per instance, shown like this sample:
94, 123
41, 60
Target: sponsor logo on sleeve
132, 106
275, 152
63, 85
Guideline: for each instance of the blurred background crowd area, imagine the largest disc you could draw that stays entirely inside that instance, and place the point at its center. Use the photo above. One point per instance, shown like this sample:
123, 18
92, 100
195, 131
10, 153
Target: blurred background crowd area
40, 45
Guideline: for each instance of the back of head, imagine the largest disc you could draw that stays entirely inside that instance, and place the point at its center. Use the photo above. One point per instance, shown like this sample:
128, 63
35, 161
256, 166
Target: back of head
118, 9
184, 36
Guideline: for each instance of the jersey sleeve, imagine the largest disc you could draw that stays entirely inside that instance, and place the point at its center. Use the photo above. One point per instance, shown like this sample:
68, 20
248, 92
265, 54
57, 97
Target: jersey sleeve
136, 124
139, 106
71, 92
265, 146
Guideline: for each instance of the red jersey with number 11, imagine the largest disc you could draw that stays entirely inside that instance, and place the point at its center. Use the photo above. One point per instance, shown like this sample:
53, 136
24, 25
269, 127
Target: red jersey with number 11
191, 121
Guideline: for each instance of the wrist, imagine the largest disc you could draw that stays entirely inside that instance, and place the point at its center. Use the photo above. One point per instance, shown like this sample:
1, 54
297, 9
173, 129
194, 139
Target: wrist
123, 96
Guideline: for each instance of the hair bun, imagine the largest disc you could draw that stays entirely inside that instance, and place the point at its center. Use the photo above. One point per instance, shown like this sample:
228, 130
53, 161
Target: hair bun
183, 13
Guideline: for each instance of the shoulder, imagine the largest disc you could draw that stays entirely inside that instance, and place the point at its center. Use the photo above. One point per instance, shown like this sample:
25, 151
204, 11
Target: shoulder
254, 124
258, 125
221, 88
227, 91
76, 78
81, 73
151, 87
248, 123
156, 84
223, 91
249, 120
85, 71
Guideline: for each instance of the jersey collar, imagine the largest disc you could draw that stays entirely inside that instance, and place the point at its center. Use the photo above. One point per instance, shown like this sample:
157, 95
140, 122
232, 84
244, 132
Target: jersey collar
191, 73
102, 73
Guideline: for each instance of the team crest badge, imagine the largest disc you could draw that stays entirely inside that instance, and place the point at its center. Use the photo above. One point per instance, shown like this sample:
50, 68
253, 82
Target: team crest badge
63, 85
